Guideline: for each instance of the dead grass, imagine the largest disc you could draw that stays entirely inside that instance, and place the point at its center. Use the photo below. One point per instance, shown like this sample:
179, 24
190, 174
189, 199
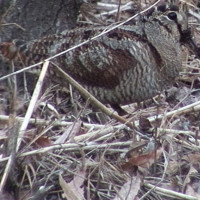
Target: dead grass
54, 145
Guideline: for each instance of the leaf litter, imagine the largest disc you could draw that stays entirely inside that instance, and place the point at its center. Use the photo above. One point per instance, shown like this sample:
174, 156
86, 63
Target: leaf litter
69, 151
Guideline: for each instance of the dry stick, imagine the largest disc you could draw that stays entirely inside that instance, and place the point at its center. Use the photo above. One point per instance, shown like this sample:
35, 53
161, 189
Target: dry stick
76, 146
170, 193
92, 99
73, 147
189, 108
32, 103
186, 109
125, 7
80, 44
6, 171
118, 11
99, 130
5, 118
20, 27
25, 123
12, 133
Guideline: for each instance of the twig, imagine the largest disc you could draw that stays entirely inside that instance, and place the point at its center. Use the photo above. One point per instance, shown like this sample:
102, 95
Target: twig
12, 133
118, 11
32, 103
192, 107
170, 193
6, 171
15, 24
186, 109
37, 121
122, 8
74, 147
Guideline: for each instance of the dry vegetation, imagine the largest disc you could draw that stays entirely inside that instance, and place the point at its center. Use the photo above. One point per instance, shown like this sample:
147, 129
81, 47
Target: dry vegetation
55, 146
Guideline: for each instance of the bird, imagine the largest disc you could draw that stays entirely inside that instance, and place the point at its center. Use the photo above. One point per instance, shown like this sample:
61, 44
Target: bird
130, 63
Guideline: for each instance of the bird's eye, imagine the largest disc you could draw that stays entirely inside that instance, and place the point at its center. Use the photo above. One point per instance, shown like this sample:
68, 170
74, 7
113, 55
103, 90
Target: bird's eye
172, 15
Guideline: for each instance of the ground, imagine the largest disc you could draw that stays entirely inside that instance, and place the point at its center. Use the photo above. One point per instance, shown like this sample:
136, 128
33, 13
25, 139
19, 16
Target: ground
67, 150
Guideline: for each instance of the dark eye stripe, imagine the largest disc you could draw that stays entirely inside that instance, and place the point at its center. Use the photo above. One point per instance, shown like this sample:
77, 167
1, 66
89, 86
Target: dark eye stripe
173, 8
162, 8
150, 12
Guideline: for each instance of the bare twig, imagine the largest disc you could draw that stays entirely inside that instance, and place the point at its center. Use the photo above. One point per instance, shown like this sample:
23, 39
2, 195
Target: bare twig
118, 11
32, 102
170, 193
15, 24
12, 133
186, 109
75, 147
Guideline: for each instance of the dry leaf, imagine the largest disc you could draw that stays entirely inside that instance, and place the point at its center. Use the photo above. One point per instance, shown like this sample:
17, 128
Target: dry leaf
73, 190
192, 171
69, 133
43, 142
190, 191
130, 189
192, 158
142, 160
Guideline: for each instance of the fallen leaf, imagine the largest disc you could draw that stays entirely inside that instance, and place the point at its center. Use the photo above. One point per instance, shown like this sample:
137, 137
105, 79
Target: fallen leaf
144, 160
73, 190
192, 158
69, 133
130, 189
190, 191
43, 142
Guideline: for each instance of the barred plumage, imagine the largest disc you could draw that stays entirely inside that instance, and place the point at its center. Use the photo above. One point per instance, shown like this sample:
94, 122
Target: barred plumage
129, 64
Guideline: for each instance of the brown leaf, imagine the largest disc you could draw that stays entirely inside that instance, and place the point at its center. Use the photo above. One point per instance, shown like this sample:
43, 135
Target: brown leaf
144, 160
43, 142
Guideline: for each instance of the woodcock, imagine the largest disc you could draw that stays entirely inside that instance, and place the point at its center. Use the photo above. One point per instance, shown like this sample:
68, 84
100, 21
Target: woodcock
131, 63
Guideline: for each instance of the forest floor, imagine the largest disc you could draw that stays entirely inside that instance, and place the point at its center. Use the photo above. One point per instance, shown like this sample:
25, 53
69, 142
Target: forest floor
66, 150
